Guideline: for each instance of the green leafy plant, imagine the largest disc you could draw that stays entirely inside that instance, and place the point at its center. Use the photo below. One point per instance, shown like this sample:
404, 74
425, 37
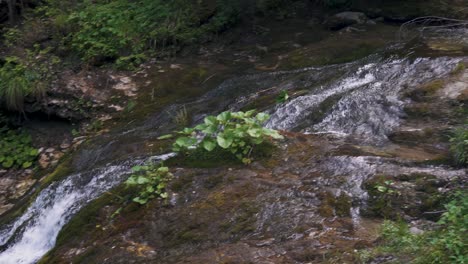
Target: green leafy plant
386, 187
16, 150
282, 97
459, 146
236, 132
151, 181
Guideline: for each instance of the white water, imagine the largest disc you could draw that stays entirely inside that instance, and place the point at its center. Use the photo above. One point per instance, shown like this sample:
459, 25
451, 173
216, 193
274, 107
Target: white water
369, 104
35, 232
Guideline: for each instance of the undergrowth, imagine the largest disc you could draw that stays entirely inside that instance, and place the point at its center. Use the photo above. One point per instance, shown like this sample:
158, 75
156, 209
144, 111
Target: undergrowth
446, 244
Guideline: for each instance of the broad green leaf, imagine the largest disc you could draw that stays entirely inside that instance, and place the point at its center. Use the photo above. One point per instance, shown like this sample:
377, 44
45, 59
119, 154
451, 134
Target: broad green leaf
33, 152
272, 133
254, 132
250, 113
8, 163
211, 120
185, 142
142, 180
262, 117
209, 144
223, 141
27, 164
140, 200
163, 170
224, 117
210, 129
131, 180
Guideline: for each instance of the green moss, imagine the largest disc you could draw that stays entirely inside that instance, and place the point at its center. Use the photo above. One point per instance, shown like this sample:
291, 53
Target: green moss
461, 66
343, 205
61, 171
432, 87
245, 221
181, 183
334, 206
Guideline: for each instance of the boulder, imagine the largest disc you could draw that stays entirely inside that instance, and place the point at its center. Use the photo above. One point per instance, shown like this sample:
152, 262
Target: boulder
344, 19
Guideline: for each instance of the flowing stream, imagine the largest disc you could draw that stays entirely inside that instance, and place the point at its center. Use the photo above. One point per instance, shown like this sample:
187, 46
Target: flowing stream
361, 100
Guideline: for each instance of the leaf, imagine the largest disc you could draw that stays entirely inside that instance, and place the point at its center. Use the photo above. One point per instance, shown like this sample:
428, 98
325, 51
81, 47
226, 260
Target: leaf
140, 200
223, 141
211, 120
163, 170
27, 164
136, 168
34, 152
131, 180
210, 129
262, 117
254, 132
224, 117
168, 136
185, 142
250, 113
8, 163
142, 180
272, 133
209, 144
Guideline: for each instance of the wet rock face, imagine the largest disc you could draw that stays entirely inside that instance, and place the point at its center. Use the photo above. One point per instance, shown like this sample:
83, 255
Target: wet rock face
13, 186
344, 19
80, 96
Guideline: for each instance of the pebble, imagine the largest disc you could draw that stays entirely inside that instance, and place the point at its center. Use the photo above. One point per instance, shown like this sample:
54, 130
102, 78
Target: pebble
64, 145
416, 231
50, 150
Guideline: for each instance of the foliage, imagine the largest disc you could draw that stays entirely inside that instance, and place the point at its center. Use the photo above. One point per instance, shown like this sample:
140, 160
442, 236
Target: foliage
282, 97
459, 146
386, 187
122, 30
16, 150
29, 76
447, 244
151, 181
237, 132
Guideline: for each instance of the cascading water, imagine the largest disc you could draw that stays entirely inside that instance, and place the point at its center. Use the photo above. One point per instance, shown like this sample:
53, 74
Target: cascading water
366, 104
35, 232
368, 100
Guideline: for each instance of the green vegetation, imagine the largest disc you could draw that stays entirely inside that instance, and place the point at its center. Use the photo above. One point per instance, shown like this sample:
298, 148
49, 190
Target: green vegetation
447, 244
16, 150
125, 31
237, 132
282, 97
25, 77
151, 181
459, 146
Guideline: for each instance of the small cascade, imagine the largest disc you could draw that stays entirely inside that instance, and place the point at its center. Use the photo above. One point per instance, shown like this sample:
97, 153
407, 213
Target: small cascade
35, 232
368, 102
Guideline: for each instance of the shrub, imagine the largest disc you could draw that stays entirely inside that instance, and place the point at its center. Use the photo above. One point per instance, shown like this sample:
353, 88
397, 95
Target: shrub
447, 244
459, 146
151, 181
109, 30
16, 150
237, 132
26, 77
